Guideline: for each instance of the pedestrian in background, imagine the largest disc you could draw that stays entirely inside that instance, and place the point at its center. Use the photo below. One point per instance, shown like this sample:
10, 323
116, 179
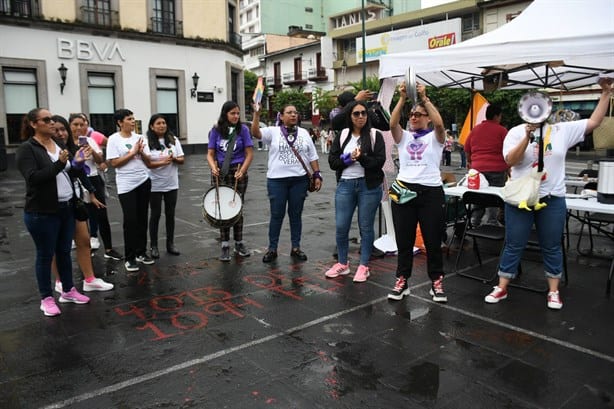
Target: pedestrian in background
166, 155
484, 148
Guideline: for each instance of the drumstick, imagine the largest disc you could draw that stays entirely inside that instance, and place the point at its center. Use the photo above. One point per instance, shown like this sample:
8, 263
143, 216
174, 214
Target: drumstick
217, 198
235, 192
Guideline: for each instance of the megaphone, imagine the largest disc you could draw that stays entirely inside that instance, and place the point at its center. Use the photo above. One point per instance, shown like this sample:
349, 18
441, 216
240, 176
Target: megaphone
534, 107
410, 85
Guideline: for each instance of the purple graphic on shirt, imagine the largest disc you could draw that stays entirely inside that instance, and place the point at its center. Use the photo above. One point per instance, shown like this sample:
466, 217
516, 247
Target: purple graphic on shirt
416, 149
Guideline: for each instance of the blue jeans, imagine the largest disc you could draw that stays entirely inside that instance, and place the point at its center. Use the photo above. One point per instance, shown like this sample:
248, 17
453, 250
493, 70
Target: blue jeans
549, 223
52, 235
290, 192
350, 194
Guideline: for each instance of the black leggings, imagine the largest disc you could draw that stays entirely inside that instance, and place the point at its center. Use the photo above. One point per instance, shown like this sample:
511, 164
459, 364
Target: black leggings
427, 209
155, 202
99, 218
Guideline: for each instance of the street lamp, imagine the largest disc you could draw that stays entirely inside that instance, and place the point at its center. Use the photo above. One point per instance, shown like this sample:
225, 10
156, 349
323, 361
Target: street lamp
195, 79
62, 70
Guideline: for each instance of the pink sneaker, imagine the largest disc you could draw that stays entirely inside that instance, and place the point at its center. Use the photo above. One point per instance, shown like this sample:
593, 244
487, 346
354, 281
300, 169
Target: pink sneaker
338, 270
362, 273
49, 308
74, 296
554, 301
496, 295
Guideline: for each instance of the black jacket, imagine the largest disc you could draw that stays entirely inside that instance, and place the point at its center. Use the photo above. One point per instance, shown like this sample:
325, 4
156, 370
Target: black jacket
371, 159
39, 172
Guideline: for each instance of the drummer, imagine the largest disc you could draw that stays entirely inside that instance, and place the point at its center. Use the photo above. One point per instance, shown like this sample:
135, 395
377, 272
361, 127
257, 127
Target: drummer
230, 153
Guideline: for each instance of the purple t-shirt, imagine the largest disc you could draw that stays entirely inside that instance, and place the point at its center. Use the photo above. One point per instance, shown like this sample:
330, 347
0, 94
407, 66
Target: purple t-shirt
242, 140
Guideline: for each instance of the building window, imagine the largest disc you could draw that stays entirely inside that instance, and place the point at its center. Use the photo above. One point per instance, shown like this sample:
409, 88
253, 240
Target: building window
163, 20
470, 22
101, 100
309, 26
167, 99
19, 8
309, 9
20, 96
98, 12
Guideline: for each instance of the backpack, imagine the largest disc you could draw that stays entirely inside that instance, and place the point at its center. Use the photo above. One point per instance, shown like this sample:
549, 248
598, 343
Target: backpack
346, 131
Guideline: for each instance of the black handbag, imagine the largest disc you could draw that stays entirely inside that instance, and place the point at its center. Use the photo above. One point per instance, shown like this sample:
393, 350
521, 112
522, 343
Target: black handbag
79, 209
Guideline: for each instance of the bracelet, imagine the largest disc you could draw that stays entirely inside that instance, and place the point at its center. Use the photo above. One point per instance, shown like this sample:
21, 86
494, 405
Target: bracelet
317, 175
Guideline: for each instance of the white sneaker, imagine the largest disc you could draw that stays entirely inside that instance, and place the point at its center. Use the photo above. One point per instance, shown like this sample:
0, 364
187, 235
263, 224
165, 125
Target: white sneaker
98, 284
554, 301
73, 245
94, 243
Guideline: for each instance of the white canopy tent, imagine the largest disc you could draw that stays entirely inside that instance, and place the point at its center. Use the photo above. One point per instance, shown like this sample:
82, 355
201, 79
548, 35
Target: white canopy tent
561, 44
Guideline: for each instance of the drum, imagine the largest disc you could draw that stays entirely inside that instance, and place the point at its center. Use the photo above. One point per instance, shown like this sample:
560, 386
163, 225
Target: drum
222, 206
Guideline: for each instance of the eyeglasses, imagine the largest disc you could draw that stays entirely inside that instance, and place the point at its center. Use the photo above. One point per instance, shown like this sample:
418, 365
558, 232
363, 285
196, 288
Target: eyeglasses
357, 114
46, 119
291, 112
417, 114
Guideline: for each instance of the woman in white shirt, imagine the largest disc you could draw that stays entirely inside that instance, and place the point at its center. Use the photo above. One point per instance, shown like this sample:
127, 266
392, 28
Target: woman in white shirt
420, 151
357, 156
128, 153
166, 154
287, 183
521, 150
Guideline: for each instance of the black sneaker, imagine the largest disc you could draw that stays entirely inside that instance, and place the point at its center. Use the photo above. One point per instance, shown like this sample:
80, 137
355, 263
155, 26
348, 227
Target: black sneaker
400, 289
241, 250
145, 259
131, 265
269, 256
437, 292
225, 256
113, 255
298, 254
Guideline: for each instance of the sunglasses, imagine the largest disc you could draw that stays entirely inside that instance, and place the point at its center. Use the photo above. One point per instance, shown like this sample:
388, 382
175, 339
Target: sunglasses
417, 114
46, 119
357, 114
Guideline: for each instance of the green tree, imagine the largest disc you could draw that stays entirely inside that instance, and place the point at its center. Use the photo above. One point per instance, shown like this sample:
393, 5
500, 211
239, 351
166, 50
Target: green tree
294, 97
372, 84
324, 101
250, 80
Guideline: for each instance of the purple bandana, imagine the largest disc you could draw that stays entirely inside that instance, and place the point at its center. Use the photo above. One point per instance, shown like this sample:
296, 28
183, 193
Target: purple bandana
419, 132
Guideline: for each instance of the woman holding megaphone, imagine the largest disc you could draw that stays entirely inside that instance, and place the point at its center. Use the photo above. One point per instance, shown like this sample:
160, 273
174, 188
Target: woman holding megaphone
521, 152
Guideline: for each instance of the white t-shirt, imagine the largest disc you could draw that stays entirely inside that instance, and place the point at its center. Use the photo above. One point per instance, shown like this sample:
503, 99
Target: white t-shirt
62, 180
283, 162
134, 173
355, 170
165, 178
558, 138
419, 159
90, 162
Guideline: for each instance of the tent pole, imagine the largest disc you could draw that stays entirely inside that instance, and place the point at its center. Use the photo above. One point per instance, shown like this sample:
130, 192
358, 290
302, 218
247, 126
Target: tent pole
471, 101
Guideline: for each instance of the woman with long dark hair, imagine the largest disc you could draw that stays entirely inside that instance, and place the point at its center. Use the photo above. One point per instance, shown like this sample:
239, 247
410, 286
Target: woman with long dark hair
230, 153
48, 213
287, 183
79, 129
165, 154
82, 235
357, 155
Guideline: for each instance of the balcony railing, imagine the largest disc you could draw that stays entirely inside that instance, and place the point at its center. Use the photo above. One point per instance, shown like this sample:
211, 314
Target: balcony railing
166, 26
99, 16
317, 74
19, 8
274, 82
295, 78
234, 38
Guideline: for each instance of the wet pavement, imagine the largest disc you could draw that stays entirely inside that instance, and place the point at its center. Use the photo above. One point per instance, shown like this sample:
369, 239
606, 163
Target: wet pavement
194, 332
